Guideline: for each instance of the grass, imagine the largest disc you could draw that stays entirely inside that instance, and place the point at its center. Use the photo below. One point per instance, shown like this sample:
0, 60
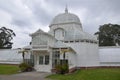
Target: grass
8, 69
90, 74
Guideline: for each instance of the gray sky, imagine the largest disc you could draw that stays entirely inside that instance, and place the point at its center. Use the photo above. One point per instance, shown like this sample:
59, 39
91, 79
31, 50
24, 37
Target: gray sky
26, 16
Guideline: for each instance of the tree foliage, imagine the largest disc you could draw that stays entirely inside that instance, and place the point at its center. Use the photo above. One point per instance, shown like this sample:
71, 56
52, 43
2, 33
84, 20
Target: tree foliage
6, 35
109, 35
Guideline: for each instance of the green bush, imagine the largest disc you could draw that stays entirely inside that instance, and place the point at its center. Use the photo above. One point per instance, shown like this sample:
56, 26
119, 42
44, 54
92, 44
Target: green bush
24, 67
65, 68
58, 68
62, 69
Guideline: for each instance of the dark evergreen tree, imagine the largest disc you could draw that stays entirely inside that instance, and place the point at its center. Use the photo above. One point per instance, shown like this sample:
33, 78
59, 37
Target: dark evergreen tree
109, 35
6, 35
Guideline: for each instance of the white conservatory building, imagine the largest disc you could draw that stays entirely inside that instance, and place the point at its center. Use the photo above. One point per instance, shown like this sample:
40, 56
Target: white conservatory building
66, 41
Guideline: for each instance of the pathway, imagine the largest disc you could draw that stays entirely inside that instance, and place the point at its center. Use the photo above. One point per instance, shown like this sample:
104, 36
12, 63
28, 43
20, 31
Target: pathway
25, 76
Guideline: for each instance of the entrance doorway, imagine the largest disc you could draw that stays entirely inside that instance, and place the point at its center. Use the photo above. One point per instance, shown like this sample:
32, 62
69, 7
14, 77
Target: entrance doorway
56, 59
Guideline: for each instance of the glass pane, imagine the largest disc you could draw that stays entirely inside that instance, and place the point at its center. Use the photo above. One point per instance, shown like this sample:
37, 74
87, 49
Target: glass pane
40, 59
55, 58
47, 59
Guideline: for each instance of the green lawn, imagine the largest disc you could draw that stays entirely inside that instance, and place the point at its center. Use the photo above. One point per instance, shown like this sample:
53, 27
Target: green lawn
90, 74
8, 69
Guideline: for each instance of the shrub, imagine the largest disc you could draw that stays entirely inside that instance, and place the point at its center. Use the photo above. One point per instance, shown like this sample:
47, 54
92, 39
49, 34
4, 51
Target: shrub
62, 69
58, 69
24, 67
65, 69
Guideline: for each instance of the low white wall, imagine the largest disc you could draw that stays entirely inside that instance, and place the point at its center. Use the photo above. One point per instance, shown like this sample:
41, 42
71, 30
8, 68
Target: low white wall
109, 56
10, 56
86, 54
72, 60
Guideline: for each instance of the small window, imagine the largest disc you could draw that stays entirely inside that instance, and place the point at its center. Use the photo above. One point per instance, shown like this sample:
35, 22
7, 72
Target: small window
77, 41
66, 41
95, 42
87, 41
82, 40
40, 59
71, 41
46, 59
59, 33
91, 41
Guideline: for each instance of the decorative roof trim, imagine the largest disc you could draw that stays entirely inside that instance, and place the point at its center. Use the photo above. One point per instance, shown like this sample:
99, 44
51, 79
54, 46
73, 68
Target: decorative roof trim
37, 32
65, 23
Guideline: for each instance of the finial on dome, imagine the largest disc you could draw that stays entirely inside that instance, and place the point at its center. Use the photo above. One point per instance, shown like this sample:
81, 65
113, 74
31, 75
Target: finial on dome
66, 10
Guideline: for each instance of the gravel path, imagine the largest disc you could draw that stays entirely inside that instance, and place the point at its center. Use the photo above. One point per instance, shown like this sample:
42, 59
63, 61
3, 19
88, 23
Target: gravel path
25, 76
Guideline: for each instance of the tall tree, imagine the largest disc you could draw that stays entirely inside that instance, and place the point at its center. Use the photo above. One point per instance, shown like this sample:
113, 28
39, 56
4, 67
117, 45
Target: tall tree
6, 35
109, 35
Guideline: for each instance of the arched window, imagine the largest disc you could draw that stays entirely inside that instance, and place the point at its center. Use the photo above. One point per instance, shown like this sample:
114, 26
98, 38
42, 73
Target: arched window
59, 33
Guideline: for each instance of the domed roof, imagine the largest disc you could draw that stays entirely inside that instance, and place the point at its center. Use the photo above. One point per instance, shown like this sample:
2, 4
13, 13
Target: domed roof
65, 18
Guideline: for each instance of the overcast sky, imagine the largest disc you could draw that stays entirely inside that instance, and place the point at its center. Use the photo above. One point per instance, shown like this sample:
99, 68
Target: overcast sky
26, 16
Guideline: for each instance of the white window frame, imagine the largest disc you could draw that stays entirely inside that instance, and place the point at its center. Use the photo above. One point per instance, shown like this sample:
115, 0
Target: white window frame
44, 60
